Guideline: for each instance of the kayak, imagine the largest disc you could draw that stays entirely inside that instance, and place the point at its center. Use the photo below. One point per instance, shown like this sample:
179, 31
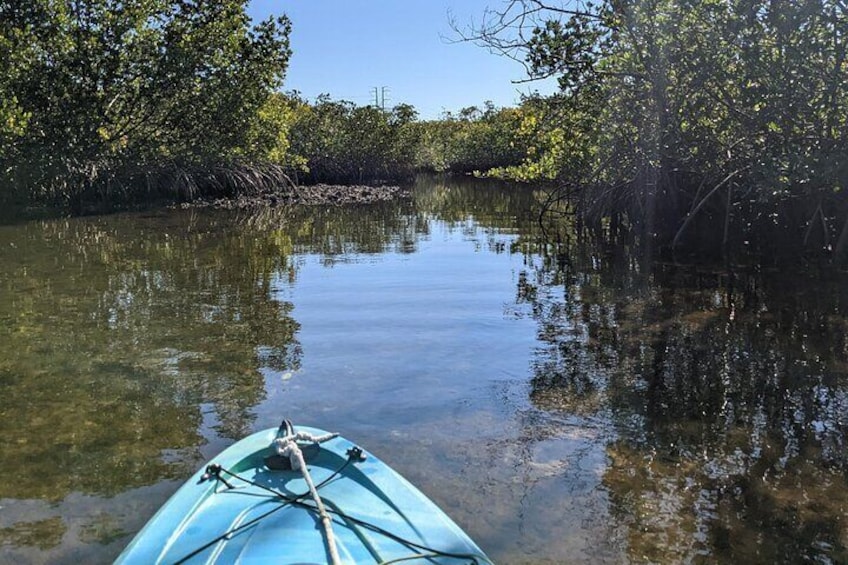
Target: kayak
299, 496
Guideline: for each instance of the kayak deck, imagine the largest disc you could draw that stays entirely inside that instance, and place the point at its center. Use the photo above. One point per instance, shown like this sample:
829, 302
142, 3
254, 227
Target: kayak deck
259, 515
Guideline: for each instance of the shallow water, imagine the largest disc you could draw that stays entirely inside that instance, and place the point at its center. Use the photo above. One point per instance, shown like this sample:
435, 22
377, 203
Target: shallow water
560, 406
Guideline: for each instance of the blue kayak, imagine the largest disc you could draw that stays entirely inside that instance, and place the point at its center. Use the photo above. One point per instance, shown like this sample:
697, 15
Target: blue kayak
253, 505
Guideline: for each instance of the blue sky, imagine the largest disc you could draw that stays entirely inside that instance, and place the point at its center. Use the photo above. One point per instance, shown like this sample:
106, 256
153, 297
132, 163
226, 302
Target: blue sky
347, 47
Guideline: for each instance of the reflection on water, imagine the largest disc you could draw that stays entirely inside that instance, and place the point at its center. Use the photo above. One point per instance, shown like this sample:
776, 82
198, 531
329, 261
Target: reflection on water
116, 331
42, 534
729, 397
561, 404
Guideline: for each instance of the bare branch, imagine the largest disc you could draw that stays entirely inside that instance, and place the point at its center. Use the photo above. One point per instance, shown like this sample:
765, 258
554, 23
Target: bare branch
505, 31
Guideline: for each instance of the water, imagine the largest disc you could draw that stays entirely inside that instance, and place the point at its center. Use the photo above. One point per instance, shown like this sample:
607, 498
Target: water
573, 406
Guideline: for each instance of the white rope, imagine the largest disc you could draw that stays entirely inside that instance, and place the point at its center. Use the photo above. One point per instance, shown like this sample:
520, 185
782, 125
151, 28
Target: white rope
287, 447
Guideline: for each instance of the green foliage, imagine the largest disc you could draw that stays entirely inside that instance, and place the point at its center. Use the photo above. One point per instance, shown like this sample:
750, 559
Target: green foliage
553, 148
269, 134
337, 141
472, 140
97, 90
703, 120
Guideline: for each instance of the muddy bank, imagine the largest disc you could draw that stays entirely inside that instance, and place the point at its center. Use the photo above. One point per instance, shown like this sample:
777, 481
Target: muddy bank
319, 194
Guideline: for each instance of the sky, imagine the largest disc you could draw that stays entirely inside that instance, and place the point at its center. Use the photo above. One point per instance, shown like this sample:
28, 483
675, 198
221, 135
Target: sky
346, 48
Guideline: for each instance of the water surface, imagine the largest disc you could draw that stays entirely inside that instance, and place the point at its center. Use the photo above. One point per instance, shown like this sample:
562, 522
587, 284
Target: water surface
565, 404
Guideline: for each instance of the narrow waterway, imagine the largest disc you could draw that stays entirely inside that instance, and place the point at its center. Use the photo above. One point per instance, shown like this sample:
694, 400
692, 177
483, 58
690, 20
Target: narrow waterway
562, 405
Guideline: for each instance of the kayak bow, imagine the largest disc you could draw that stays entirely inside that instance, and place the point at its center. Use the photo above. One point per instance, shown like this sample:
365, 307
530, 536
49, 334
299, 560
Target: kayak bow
254, 504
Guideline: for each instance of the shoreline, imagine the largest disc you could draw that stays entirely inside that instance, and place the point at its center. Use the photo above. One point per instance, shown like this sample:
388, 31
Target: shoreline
306, 195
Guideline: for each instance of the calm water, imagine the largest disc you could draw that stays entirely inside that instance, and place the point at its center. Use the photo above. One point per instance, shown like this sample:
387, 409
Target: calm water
570, 406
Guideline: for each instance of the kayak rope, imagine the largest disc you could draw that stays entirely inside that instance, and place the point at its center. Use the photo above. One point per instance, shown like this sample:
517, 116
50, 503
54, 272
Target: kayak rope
287, 447
284, 448
287, 500
298, 501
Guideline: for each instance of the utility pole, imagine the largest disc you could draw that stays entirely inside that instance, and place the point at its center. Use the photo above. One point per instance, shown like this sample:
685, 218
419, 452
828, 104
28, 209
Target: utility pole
383, 91
380, 96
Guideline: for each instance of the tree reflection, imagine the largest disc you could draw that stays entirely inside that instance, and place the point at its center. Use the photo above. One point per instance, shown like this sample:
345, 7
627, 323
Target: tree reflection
728, 394
125, 338
122, 336
492, 204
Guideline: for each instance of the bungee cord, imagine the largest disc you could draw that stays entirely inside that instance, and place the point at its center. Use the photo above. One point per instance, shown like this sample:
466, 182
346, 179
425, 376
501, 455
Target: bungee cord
287, 500
286, 446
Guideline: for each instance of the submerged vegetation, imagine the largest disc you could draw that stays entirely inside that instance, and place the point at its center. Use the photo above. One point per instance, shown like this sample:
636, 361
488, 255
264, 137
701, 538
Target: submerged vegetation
713, 126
